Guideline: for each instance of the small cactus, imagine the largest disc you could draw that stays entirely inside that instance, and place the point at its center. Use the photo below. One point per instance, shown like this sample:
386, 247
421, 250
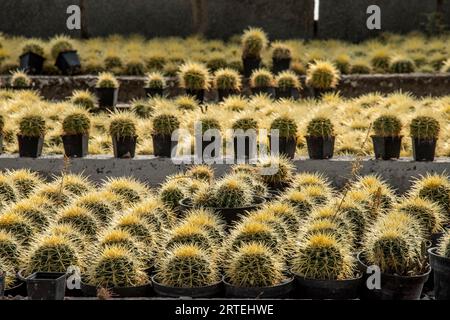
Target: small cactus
434, 187
107, 80
207, 220
281, 51
276, 171
262, 78
25, 181
231, 193
444, 246
57, 196
97, 205
360, 67
194, 76
286, 126
155, 213
381, 61
254, 41
171, 193
60, 44
75, 184
387, 126
10, 249
18, 226
245, 123
186, 103
227, 79
201, 172
137, 227
20, 79
34, 211
287, 80
299, 201
322, 75
285, 212
165, 124
253, 231
402, 65
81, 219
33, 46
317, 195
122, 124
423, 127
76, 123
32, 125
129, 189
155, 80
320, 127
85, 99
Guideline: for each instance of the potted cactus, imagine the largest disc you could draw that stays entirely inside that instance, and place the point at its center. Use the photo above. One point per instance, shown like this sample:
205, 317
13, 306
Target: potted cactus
276, 172
84, 99
207, 123
20, 81
187, 270
75, 135
287, 85
424, 132
281, 57
122, 129
227, 82
320, 138
195, 79
253, 271
402, 65
67, 59
322, 77
440, 263
164, 126
155, 84
31, 135
107, 90
32, 58
262, 81
387, 139
254, 41
245, 138
287, 135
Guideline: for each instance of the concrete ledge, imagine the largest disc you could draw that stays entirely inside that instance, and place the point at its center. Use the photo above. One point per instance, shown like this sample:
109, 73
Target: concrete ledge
154, 170
419, 84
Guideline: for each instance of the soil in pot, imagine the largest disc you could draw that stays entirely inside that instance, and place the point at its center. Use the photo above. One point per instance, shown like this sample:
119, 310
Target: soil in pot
225, 93
30, 147
68, 62
107, 97
75, 146
249, 65
31, 63
199, 95
212, 291
249, 148
387, 148
124, 147
441, 270
320, 147
328, 289
163, 145
279, 291
154, 92
424, 149
270, 91
286, 146
119, 292
279, 65
287, 93
46, 286
393, 287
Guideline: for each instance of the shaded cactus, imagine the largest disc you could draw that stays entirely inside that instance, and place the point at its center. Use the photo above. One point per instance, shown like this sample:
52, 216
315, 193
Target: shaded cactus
194, 76
76, 123
74, 183
261, 78
231, 193
137, 227
201, 172
387, 126
320, 127
424, 127
254, 40
165, 124
434, 187
402, 65
322, 75
227, 79
123, 124
285, 125
97, 205
299, 201
287, 80
10, 249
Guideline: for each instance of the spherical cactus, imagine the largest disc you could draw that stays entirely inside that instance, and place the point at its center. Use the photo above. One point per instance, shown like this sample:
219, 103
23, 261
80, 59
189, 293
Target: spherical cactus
318, 196
81, 219
171, 193
281, 51
306, 179
252, 231
20, 80
287, 80
194, 76
51, 254
187, 266
381, 61
234, 103
402, 65
357, 215
216, 61
165, 124
156, 61
227, 79
286, 126
25, 181
137, 227
188, 234
55, 194
183, 103
444, 246
207, 220
286, 212
254, 41
75, 184
342, 63
34, 211
76, 123
254, 265
123, 124
262, 78
299, 201
33, 46
67, 231
320, 127
278, 225
258, 188
208, 123
201, 172
8, 192
155, 80
142, 108
276, 171
155, 213
116, 267
112, 61
32, 125
423, 127
97, 205
60, 44
322, 257
387, 126
84, 99
245, 123
17, 225
322, 75
360, 67
10, 249
232, 193
434, 187
129, 189
106, 80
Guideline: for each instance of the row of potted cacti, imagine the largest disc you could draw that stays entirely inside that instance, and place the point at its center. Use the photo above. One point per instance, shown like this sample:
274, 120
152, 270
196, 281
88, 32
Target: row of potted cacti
305, 241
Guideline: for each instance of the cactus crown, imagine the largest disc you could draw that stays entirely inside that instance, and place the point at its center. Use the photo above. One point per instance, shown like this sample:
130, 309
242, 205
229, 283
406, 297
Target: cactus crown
76, 184
253, 231
322, 75
287, 80
434, 187
33, 46
171, 193
201, 172
227, 79
320, 127
209, 123
231, 192
188, 234
97, 205
123, 124
20, 79
10, 248
155, 80
24, 180
81, 219
245, 123
402, 65
32, 125
142, 108
424, 127
7, 190
84, 99
76, 123
254, 40
261, 78
165, 124
387, 126
186, 103
128, 189
444, 246
18, 225
194, 76
281, 51
381, 61
107, 80
60, 44
285, 125
276, 170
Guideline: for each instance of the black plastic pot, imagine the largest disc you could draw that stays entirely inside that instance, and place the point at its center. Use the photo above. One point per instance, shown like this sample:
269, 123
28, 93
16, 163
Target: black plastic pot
320, 147
107, 97
68, 62
327, 289
119, 292
287, 93
31, 63
75, 146
424, 149
270, 91
30, 147
154, 92
279, 65
441, 270
124, 147
286, 146
279, 291
212, 291
225, 93
249, 65
393, 287
387, 148
46, 286
250, 148
163, 145
199, 95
